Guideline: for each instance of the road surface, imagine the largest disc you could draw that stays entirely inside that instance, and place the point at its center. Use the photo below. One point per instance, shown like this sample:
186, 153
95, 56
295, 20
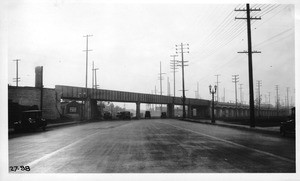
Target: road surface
151, 146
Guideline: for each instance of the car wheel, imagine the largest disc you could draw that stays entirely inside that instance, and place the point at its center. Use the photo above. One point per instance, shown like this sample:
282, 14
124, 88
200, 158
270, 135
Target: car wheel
44, 128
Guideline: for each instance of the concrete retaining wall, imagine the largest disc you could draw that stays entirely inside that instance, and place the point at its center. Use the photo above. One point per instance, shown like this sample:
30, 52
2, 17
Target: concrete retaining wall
29, 96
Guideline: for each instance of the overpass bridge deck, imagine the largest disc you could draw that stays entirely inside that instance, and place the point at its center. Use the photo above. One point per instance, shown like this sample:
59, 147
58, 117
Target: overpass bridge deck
70, 92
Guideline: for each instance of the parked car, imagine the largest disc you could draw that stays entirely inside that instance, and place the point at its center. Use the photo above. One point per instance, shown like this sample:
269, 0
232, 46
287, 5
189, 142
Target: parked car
124, 115
147, 115
288, 127
163, 115
30, 120
107, 115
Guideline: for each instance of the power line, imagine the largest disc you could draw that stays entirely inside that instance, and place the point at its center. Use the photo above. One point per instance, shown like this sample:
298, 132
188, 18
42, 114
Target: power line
227, 37
218, 28
216, 32
275, 36
230, 36
266, 20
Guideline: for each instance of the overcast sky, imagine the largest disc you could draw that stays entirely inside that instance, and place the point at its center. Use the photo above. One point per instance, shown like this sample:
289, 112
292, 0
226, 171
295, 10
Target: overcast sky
130, 40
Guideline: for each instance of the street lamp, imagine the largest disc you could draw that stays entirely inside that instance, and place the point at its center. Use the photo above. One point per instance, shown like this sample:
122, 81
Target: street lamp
212, 92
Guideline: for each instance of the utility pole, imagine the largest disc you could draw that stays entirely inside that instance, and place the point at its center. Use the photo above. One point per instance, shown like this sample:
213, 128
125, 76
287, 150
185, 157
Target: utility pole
86, 60
217, 87
235, 79
168, 87
287, 95
251, 95
224, 100
160, 79
94, 77
292, 98
197, 96
259, 84
285, 101
174, 68
96, 85
266, 99
180, 49
241, 93
17, 79
269, 98
198, 93
93, 85
277, 100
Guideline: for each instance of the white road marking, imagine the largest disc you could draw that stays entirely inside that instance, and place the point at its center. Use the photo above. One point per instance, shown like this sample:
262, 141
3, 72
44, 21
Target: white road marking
47, 156
236, 144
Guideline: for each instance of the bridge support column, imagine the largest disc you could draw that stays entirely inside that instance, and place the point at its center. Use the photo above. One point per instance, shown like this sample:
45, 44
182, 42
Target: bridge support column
94, 109
87, 110
138, 110
170, 110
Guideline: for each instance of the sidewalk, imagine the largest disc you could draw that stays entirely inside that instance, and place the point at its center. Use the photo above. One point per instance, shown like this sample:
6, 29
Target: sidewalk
52, 125
269, 130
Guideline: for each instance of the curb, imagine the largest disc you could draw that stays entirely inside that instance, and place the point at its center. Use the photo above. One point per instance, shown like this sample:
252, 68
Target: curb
10, 130
61, 124
260, 130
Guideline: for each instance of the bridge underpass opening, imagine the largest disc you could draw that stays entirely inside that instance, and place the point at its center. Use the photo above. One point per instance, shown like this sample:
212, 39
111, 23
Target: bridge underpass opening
155, 110
137, 110
114, 107
79, 110
74, 109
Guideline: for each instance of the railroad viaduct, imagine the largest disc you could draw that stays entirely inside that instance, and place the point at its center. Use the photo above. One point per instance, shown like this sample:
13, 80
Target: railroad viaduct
49, 100
91, 96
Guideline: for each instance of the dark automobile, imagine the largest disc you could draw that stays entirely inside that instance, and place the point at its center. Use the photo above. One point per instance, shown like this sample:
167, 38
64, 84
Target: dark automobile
288, 127
107, 115
163, 115
30, 120
124, 115
147, 115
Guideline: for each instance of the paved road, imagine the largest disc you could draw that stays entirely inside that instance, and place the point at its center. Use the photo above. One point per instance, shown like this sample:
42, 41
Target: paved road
156, 146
